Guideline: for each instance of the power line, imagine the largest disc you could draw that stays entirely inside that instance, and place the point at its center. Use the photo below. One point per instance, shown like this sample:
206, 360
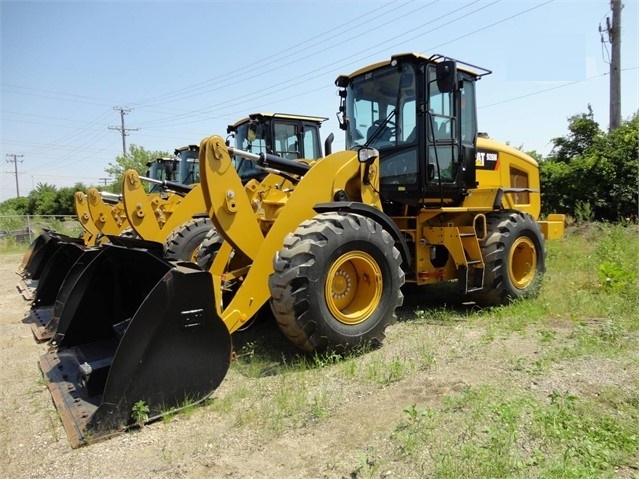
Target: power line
14, 160
122, 129
299, 79
337, 34
552, 88
614, 34
298, 47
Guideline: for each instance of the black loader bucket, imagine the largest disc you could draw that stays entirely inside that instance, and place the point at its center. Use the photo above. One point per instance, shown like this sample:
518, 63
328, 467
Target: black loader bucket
59, 276
57, 281
40, 251
137, 338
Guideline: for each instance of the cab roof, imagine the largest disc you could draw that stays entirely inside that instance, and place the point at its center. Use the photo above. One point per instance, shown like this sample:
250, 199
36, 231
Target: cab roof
473, 70
287, 116
186, 148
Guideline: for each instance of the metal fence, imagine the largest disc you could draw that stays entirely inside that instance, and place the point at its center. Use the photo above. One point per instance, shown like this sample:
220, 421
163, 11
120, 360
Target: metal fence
25, 228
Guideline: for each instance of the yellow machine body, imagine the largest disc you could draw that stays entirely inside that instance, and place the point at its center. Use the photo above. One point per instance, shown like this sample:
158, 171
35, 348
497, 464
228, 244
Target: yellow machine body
91, 231
108, 219
417, 196
154, 216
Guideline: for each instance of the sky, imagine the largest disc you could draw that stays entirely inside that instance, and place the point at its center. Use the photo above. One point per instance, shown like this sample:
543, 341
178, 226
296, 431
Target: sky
183, 71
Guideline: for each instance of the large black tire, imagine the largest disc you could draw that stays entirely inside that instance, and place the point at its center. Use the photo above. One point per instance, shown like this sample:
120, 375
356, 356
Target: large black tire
514, 256
336, 283
208, 249
183, 243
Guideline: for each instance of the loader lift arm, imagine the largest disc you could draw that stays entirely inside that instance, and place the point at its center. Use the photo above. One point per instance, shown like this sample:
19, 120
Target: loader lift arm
154, 219
233, 217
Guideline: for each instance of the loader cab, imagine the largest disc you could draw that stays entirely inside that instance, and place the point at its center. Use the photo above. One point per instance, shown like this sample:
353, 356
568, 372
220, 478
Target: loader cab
288, 136
189, 164
162, 169
420, 114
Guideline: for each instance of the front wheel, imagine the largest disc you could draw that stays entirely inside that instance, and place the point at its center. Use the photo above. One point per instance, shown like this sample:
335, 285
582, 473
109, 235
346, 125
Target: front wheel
336, 283
514, 258
208, 249
183, 243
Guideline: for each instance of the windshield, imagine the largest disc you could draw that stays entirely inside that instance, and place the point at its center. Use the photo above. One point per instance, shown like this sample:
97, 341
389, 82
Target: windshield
381, 108
189, 167
255, 140
161, 169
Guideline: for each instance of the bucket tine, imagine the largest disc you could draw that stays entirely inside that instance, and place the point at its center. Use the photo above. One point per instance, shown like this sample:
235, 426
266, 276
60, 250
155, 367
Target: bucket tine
161, 344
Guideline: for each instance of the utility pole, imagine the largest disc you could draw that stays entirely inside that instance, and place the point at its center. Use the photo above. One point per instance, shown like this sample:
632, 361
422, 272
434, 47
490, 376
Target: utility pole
122, 129
613, 28
14, 160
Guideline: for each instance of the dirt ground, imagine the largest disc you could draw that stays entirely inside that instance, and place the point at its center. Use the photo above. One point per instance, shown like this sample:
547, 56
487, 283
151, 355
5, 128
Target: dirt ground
209, 443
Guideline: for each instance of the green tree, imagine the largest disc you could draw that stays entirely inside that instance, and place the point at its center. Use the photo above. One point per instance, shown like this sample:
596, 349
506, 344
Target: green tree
536, 155
615, 172
583, 132
65, 198
15, 206
136, 159
593, 174
42, 200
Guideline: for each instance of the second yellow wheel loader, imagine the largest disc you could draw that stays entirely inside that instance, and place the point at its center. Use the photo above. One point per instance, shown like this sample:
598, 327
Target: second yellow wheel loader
172, 213
286, 135
416, 197
181, 222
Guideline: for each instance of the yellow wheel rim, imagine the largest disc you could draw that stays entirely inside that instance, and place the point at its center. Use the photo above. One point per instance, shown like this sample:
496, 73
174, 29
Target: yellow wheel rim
522, 263
193, 258
353, 287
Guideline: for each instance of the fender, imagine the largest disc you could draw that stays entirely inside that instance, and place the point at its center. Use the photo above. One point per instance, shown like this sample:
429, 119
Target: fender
373, 213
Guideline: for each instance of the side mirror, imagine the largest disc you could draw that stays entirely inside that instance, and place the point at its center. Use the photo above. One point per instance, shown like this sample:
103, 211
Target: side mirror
447, 76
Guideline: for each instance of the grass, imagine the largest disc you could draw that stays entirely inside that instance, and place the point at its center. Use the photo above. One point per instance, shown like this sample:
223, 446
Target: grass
489, 432
566, 407
37, 224
586, 312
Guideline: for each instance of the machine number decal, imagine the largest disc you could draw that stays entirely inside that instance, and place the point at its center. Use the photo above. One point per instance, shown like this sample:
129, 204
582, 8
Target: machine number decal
487, 160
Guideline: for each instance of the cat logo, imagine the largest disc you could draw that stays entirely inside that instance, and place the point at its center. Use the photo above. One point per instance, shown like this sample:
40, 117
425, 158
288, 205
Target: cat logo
487, 160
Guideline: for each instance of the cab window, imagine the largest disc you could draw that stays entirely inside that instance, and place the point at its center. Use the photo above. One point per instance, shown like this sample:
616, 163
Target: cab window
286, 140
311, 141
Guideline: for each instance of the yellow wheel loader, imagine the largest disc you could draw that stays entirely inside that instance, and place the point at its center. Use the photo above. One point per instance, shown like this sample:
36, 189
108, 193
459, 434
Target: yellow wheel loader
416, 197
285, 135
99, 213
181, 222
53, 258
172, 214
98, 216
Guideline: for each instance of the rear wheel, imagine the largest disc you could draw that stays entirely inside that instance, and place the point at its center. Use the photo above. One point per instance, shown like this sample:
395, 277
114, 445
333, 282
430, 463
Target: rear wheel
336, 283
208, 249
514, 258
183, 243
